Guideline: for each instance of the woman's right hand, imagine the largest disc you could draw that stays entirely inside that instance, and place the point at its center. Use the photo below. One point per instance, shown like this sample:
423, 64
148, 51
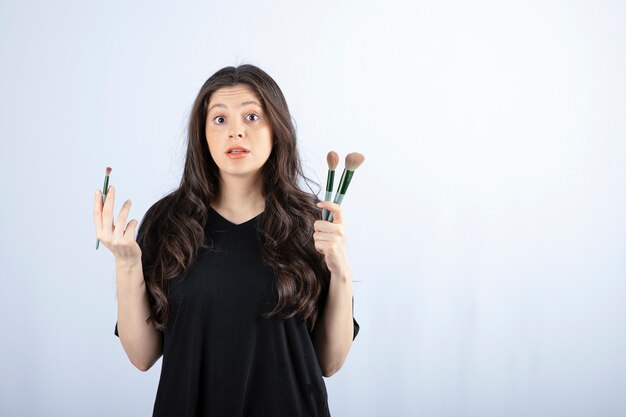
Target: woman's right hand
120, 238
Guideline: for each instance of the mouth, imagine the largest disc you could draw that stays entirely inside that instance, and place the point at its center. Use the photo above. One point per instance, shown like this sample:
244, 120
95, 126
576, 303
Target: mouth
237, 150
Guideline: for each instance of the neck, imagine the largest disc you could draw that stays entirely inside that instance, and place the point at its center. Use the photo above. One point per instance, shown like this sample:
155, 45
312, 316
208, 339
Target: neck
240, 195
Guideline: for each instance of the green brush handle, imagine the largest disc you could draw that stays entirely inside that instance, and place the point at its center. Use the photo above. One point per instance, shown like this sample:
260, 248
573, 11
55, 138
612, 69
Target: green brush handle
330, 179
327, 197
345, 181
346, 177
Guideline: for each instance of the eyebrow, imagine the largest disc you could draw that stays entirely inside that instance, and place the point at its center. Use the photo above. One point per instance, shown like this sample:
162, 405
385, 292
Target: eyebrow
241, 105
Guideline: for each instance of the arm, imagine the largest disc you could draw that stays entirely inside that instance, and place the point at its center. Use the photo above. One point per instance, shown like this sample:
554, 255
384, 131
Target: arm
333, 334
143, 344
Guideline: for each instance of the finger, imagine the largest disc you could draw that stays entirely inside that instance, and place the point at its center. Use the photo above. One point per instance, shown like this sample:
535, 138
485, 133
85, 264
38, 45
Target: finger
107, 213
335, 209
326, 227
97, 211
322, 237
325, 247
321, 247
118, 233
130, 229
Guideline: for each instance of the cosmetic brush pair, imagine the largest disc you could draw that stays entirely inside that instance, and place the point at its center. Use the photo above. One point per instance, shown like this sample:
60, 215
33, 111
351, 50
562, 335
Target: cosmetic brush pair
353, 161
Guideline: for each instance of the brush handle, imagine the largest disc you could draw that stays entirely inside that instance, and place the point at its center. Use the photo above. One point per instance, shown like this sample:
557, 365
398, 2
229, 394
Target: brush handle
338, 200
345, 181
327, 197
341, 182
346, 177
330, 179
104, 197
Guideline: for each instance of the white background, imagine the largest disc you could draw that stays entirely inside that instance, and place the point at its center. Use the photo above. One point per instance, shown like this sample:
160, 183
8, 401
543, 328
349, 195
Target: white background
486, 228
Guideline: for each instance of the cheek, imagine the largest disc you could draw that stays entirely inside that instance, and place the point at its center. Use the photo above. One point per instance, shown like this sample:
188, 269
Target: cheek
212, 143
267, 136
211, 134
209, 143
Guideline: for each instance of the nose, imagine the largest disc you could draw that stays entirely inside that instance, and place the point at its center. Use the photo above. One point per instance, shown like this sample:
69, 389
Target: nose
237, 130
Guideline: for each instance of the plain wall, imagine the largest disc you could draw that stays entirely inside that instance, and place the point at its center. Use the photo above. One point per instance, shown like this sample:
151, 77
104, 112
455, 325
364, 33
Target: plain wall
486, 228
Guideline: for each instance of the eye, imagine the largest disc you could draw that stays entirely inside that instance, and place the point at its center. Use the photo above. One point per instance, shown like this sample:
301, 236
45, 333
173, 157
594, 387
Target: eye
252, 115
220, 118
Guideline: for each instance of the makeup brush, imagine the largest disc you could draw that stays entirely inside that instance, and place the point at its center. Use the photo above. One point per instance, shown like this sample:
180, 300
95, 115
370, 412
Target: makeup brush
333, 160
104, 194
353, 161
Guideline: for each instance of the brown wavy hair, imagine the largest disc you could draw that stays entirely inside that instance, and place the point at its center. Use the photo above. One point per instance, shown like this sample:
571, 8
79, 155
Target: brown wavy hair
172, 230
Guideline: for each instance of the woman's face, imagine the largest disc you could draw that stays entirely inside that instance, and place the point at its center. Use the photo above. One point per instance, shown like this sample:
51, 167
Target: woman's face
235, 118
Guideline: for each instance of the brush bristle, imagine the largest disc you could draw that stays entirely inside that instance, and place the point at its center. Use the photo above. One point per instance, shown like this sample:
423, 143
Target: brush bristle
354, 160
108, 171
333, 160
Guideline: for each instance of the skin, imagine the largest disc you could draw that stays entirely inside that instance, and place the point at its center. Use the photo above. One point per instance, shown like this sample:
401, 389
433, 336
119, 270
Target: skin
229, 122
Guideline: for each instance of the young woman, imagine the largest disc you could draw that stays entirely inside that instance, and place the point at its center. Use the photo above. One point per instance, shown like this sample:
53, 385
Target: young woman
232, 277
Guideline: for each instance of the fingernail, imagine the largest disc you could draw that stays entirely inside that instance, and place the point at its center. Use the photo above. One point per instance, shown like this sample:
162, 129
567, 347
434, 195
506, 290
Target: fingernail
319, 204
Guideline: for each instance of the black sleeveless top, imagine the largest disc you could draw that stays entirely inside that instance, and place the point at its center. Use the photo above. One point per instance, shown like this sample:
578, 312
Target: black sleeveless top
220, 356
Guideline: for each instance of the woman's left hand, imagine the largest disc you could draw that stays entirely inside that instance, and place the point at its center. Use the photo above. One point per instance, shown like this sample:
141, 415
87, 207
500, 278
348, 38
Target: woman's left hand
330, 239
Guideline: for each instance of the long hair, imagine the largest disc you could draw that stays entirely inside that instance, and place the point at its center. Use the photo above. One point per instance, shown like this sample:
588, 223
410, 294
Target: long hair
172, 230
